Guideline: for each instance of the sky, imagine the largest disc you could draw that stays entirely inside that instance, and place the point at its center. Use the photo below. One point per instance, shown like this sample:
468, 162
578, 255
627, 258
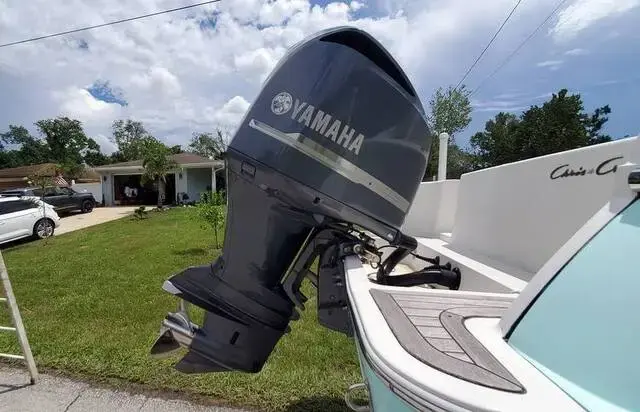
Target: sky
199, 69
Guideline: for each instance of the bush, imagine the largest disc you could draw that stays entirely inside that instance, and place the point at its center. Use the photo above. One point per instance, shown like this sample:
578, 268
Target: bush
212, 209
141, 212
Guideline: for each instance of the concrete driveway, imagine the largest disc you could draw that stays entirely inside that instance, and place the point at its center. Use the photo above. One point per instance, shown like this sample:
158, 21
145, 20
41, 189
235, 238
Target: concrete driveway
75, 221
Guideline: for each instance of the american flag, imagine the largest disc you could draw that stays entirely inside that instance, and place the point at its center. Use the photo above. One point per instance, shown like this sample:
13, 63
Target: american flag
59, 181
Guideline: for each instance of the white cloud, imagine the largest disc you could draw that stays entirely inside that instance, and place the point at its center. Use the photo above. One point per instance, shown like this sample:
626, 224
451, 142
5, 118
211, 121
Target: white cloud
551, 64
259, 63
512, 94
542, 96
498, 104
230, 114
508, 102
106, 144
500, 108
94, 114
180, 78
583, 13
577, 52
356, 5
81, 104
158, 80
609, 82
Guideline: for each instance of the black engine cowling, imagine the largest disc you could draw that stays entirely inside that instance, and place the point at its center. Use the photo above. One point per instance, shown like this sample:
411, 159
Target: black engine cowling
337, 136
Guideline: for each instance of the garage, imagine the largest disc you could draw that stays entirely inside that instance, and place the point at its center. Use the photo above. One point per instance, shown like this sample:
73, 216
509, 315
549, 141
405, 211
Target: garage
122, 182
128, 189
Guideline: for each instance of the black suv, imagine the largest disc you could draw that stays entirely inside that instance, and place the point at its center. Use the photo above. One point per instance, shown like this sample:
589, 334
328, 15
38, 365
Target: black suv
63, 199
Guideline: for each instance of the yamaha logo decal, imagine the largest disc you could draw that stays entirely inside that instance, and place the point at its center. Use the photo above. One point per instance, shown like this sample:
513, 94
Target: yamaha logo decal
281, 103
318, 120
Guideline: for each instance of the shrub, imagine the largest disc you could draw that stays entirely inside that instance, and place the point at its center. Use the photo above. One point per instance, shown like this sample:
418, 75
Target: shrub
141, 212
212, 209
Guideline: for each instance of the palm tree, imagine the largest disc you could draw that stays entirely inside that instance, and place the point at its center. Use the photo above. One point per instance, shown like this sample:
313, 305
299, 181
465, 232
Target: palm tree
157, 163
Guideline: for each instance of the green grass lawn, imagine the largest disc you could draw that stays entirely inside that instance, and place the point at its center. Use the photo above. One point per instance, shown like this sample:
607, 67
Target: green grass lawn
92, 303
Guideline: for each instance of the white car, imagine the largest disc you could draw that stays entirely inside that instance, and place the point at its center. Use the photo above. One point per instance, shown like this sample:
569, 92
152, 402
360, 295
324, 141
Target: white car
22, 217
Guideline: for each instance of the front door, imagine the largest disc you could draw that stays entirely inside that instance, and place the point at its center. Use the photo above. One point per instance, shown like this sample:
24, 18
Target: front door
170, 189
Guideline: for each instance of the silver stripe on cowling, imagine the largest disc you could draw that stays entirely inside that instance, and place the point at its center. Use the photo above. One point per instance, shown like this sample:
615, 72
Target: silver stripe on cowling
333, 161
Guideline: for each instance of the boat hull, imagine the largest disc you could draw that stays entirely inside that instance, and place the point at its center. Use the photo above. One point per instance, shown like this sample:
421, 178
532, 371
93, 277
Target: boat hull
381, 396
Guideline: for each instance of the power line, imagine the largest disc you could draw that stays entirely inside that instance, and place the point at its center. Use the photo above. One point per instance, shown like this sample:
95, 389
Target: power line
490, 43
108, 24
505, 61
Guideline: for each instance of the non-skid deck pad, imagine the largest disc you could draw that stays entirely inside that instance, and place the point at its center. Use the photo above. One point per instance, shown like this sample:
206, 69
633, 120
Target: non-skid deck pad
431, 329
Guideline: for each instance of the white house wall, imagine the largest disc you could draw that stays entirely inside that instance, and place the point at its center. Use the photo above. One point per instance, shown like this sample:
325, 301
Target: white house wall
94, 188
107, 189
181, 182
198, 180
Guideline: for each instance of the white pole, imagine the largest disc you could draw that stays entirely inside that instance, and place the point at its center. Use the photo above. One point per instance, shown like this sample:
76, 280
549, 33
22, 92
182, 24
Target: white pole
213, 179
442, 156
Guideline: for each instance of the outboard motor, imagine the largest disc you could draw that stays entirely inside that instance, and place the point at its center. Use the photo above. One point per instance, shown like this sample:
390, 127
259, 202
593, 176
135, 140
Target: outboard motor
330, 153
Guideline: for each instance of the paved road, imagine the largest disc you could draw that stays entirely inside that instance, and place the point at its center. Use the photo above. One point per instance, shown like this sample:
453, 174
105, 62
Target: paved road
76, 221
56, 394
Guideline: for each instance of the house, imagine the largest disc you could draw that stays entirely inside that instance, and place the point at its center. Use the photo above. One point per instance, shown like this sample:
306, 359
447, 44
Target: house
121, 182
17, 177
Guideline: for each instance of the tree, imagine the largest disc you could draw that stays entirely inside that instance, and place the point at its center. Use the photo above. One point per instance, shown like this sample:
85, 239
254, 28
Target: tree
63, 141
497, 144
459, 162
157, 163
211, 209
93, 156
594, 123
175, 149
116, 157
30, 149
69, 146
16, 135
41, 178
132, 140
450, 112
65, 137
209, 145
558, 125
9, 159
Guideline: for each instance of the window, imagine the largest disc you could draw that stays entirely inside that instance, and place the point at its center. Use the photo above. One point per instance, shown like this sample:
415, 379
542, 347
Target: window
51, 191
16, 206
583, 330
37, 192
13, 193
57, 191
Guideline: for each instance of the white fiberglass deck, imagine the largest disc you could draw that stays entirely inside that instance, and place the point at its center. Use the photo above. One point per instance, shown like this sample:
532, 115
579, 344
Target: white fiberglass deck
445, 348
431, 328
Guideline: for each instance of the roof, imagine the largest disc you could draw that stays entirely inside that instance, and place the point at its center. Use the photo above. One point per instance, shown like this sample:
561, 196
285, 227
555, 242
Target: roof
88, 174
6, 184
180, 159
44, 169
